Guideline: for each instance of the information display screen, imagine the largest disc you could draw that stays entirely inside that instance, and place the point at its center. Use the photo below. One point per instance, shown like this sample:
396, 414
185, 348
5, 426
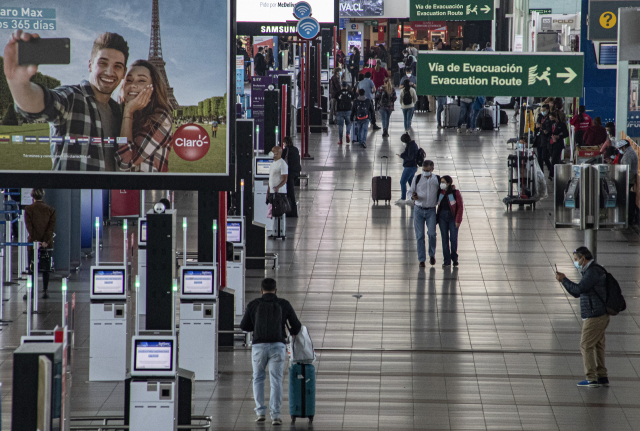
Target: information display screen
324, 76
197, 282
234, 232
114, 98
143, 231
108, 282
281, 11
262, 167
608, 53
153, 355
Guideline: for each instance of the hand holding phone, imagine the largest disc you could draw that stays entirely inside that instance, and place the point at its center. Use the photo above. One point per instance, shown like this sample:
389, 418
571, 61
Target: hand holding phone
14, 71
44, 51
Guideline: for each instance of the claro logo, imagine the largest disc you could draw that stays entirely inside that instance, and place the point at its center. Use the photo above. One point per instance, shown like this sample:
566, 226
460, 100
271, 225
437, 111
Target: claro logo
191, 142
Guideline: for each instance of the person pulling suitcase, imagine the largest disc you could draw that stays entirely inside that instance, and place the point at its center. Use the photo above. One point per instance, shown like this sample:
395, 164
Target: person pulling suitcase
266, 317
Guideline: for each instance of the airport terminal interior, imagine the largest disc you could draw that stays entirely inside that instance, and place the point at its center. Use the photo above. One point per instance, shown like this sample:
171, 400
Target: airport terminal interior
491, 344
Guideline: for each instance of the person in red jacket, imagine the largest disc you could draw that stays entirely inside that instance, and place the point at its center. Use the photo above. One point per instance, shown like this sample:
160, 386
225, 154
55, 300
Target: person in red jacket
449, 213
595, 135
581, 122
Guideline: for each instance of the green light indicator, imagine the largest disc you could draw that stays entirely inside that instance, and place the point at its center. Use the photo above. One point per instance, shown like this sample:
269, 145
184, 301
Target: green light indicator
215, 225
124, 225
257, 128
29, 285
97, 223
184, 223
175, 285
137, 282
64, 284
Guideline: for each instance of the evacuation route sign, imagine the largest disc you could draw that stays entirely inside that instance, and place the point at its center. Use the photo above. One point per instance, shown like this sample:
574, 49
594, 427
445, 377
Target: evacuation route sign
500, 74
449, 10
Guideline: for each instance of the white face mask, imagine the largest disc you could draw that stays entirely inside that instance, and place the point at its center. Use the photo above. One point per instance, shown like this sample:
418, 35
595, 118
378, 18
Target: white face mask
426, 173
443, 186
408, 75
270, 153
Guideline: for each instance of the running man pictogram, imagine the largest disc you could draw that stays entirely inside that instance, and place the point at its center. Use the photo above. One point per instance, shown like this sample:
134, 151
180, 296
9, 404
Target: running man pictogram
533, 75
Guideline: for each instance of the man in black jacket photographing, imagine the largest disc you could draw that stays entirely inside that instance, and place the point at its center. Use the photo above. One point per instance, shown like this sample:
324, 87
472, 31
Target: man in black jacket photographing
266, 318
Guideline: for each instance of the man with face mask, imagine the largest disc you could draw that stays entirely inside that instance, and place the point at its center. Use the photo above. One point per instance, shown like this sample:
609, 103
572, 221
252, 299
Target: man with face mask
544, 133
424, 192
592, 291
409, 76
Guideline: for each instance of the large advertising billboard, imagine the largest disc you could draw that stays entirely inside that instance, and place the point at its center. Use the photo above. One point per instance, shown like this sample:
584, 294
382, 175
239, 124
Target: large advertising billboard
122, 88
361, 8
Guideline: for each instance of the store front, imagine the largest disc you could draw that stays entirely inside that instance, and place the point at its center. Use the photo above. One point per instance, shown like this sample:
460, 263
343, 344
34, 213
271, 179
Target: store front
458, 35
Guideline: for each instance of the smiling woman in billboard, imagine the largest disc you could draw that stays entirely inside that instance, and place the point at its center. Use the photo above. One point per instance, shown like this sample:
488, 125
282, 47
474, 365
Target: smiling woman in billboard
146, 121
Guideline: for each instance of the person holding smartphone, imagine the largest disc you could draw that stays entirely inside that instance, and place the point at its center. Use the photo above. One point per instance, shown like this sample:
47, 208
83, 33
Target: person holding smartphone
591, 290
85, 109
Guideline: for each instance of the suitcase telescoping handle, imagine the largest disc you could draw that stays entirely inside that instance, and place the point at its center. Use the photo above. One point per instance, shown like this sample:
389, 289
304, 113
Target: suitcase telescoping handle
384, 157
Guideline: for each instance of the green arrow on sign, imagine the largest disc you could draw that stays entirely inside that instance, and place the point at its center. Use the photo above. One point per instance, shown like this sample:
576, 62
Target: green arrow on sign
486, 9
570, 75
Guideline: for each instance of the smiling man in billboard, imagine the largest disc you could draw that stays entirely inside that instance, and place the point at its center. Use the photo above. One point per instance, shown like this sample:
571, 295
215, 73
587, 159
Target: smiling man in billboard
84, 110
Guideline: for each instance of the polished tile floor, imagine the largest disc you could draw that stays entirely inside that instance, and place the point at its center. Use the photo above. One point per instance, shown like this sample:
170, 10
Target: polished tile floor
493, 344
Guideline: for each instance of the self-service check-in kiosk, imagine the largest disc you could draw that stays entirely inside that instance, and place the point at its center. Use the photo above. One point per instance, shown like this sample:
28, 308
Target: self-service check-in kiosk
141, 299
260, 190
198, 320
158, 394
236, 266
108, 320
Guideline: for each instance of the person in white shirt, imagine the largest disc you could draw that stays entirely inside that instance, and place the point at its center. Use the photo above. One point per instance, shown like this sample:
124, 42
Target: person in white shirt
278, 173
424, 192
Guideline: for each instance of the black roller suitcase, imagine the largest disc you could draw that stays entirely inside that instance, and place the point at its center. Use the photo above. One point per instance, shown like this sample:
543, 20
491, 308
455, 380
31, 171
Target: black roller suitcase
381, 186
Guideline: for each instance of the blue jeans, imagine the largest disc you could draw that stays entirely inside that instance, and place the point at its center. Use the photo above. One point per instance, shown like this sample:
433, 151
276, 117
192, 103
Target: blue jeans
406, 178
464, 113
342, 117
449, 233
420, 217
385, 114
361, 128
407, 113
473, 119
274, 355
442, 101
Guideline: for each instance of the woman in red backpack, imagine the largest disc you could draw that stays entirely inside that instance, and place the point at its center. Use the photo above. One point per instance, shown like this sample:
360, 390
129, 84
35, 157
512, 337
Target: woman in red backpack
449, 214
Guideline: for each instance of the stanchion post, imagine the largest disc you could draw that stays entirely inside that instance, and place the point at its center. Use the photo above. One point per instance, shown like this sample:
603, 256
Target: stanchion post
124, 242
242, 197
7, 254
1, 284
36, 247
64, 302
20, 254
173, 314
215, 241
137, 298
29, 287
184, 241
97, 241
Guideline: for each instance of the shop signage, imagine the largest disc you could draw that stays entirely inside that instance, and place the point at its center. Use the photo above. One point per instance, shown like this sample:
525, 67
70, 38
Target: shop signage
500, 74
541, 11
361, 7
449, 10
429, 25
603, 18
371, 22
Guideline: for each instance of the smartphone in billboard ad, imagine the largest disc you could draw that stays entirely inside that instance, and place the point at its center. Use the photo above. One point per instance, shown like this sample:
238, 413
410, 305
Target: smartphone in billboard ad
135, 88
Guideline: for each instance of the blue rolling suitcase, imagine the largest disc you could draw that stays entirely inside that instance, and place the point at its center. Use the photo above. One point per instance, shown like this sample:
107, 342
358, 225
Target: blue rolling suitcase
302, 391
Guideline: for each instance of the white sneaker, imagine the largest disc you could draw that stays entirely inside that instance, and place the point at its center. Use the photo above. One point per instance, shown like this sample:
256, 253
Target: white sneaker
401, 202
469, 130
260, 418
276, 421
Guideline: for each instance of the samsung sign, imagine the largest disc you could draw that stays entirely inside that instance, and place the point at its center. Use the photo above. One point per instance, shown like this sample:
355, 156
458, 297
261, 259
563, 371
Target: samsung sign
281, 11
361, 8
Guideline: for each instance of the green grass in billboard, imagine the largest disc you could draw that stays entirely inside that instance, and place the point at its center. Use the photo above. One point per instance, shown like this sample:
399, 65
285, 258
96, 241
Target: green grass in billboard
20, 156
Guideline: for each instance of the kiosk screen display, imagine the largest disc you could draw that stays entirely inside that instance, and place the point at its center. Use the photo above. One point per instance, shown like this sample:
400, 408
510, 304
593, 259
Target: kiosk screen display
154, 355
234, 232
108, 282
608, 53
143, 231
197, 282
324, 75
262, 167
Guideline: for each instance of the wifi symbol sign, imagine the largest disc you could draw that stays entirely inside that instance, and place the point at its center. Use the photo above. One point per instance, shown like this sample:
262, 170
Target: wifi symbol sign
308, 28
302, 10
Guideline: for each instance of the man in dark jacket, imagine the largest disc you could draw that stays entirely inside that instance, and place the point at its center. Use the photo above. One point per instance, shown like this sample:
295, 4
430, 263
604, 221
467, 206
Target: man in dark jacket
543, 127
259, 63
266, 318
334, 92
40, 219
559, 132
291, 156
361, 113
592, 290
410, 165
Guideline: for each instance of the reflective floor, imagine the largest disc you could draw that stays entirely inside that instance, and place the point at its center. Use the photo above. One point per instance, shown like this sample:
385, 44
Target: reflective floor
493, 344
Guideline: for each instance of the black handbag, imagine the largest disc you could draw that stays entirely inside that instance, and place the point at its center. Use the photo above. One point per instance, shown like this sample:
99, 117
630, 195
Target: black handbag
45, 260
279, 204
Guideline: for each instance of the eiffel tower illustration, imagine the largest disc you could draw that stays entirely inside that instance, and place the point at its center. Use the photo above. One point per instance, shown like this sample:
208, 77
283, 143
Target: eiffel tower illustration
155, 52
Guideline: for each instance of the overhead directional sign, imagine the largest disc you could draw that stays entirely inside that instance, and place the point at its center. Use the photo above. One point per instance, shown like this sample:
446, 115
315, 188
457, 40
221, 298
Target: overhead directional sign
603, 18
449, 10
500, 74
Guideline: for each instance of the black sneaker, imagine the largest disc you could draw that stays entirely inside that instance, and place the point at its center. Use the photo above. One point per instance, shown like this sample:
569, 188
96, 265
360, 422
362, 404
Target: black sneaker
364, 145
45, 296
24, 298
455, 263
432, 260
604, 381
376, 127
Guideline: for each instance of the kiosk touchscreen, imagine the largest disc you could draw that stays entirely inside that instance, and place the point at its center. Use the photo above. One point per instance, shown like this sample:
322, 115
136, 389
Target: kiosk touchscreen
324, 76
108, 282
262, 167
142, 232
198, 282
154, 356
235, 232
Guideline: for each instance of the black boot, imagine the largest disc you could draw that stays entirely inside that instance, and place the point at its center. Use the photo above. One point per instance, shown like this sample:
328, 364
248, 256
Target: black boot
385, 133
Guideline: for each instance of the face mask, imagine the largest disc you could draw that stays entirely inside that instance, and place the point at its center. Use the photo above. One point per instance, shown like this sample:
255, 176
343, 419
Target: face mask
613, 157
577, 265
408, 75
443, 186
543, 112
520, 146
270, 153
427, 173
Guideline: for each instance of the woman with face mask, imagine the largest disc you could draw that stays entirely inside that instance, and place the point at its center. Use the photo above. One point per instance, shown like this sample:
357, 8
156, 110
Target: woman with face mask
449, 214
